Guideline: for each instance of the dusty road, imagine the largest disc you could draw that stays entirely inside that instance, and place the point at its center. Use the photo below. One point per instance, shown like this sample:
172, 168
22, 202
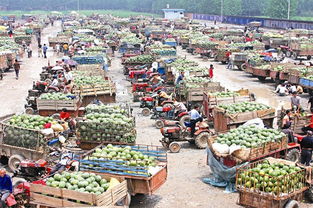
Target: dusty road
14, 92
184, 187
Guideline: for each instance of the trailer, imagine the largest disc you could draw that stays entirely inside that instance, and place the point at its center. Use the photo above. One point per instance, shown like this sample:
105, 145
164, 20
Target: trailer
211, 101
299, 49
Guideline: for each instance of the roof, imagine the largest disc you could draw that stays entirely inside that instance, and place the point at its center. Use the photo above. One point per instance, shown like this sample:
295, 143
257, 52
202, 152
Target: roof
172, 10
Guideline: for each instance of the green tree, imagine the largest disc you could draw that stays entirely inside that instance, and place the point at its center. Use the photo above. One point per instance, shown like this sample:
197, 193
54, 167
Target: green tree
279, 8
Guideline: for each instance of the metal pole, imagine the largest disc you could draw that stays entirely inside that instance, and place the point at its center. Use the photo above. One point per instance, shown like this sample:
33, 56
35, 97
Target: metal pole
78, 5
288, 9
222, 8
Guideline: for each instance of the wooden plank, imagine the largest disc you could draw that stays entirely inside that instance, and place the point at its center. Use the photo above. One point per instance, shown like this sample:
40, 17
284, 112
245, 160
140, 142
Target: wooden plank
38, 188
39, 198
75, 195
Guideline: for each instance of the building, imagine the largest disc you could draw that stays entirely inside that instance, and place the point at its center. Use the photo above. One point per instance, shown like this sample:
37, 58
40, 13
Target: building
173, 13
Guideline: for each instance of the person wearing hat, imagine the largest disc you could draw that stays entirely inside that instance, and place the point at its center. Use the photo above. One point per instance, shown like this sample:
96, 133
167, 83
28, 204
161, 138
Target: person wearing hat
306, 148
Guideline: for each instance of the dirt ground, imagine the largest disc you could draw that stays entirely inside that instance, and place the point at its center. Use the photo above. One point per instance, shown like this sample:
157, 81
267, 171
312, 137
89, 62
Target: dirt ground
184, 187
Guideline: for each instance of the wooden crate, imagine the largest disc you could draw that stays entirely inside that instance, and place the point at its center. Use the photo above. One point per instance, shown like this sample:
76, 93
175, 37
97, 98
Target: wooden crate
284, 75
249, 69
260, 72
273, 74
256, 200
74, 114
223, 121
107, 98
88, 90
293, 79
145, 185
57, 105
57, 197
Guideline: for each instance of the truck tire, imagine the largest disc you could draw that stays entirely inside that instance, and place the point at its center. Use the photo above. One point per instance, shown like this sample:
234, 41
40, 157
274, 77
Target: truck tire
201, 140
243, 67
309, 57
159, 124
292, 204
262, 79
29, 111
14, 162
183, 119
293, 155
174, 147
145, 112
288, 53
294, 56
308, 194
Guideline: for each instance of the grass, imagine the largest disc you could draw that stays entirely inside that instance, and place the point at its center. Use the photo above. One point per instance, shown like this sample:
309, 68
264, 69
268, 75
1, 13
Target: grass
117, 13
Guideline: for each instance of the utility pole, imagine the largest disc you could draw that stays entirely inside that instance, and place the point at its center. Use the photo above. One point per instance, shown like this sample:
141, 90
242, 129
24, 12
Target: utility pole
78, 5
222, 8
288, 9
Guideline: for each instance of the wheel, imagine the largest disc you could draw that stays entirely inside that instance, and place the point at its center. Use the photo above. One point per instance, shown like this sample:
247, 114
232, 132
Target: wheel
243, 67
224, 62
294, 56
201, 140
239, 67
159, 124
311, 92
292, 204
48, 81
308, 57
51, 91
293, 155
18, 182
288, 53
174, 147
308, 194
145, 112
29, 111
14, 162
183, 119
262, 79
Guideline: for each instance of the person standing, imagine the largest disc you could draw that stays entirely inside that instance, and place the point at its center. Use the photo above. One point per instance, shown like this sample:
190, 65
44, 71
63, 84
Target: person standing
195, 117
39, 51
180, 77
6, 186
65, 48
57, 48
306, 148
45, 49
16, 67
211, 71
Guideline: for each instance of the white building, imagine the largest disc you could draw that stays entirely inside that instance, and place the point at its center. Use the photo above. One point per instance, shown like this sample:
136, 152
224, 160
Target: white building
173, 13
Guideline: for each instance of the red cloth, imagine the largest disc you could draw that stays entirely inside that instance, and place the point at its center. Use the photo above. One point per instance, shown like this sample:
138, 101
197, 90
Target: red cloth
228, 54
211, 73
47, 125
248, 39
65, 115
311, 125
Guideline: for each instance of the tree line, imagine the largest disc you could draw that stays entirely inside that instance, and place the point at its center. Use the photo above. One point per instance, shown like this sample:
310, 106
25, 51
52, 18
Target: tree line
266, 8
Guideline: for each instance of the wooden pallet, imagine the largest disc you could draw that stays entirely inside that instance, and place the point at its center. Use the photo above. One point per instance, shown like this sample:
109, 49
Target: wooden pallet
57, 197
57, 105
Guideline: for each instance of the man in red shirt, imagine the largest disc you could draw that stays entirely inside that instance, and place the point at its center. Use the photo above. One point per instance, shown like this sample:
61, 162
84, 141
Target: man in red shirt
64, 115
309, 127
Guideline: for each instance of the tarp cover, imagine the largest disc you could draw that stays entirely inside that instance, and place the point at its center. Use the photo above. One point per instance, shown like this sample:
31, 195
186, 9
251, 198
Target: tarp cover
222, 176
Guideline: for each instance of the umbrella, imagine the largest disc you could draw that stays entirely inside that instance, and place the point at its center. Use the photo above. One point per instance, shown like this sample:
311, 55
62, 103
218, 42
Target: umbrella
71, 62
57, 68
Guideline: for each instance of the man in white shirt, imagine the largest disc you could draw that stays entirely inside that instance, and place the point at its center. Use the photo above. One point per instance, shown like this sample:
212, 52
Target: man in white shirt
195, 117
55, 82
282, 90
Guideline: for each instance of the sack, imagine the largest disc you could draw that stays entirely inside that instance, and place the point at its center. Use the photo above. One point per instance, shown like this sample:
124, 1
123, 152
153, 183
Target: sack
11, 200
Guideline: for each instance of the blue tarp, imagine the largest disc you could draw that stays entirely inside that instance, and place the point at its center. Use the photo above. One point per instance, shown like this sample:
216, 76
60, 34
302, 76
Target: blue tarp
222, 176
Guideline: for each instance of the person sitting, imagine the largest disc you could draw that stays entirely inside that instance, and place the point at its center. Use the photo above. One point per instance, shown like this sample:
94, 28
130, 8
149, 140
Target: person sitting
195, 117
295, 102
162, 96
309, 126
299, 89
66, 160
55, 81
281, 90
6, 186
286, 124
306, 148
